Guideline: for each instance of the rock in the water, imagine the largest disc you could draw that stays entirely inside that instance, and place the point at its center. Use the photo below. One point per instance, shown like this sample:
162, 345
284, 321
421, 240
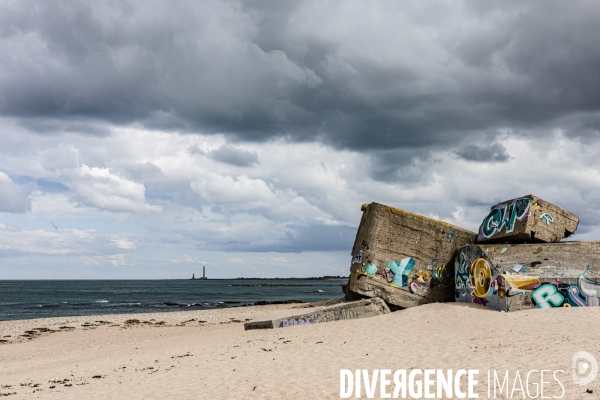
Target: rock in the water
404, 258
307, 316
527, 219
509, 277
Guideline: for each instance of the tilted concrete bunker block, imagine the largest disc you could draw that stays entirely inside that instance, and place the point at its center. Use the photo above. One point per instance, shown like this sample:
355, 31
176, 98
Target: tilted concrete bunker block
404, 258
527, 219
347, 310
514, 277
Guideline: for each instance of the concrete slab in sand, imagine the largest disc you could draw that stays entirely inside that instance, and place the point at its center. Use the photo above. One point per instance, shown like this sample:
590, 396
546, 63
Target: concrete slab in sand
404, 258
527, 219
292, 317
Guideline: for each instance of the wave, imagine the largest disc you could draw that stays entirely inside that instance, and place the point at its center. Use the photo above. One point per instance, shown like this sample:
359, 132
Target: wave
57, 298
123, 304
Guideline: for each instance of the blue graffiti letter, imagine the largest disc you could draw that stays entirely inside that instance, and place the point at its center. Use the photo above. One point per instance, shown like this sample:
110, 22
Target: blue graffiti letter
508, 218
547, 296
548, 218
491, 222
401, 270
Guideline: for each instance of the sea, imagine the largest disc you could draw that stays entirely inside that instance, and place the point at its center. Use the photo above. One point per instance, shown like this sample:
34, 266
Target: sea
28, 299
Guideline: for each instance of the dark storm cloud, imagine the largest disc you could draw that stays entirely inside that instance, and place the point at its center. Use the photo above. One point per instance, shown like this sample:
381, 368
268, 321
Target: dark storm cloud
66, 125
370, 75
234, 156
406, 165
494, 152
587, 210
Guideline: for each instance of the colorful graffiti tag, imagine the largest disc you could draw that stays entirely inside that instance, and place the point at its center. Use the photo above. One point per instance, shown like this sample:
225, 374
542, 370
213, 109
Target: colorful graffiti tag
504, 216
584, 293
295, 321
462, 268
402, 273
549, 219
547, 296
480, 282
357, 258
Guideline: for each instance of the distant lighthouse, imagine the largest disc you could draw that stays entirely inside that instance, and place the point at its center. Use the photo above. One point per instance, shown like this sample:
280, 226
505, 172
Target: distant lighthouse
203, 273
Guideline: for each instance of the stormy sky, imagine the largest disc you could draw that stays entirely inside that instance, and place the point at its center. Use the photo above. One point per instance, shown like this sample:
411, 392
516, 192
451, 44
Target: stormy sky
145, 139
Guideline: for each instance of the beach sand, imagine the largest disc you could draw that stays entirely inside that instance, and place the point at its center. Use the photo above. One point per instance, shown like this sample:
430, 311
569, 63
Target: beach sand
183, 358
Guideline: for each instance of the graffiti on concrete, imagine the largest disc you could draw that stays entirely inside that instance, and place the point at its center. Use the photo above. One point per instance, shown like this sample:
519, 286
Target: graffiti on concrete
439, 273
589, 290
295, 321
518, 283
547, 218
419, 282
478, 281
504, 216
481, 278
584, 293
357, 258
372, 269
401, 270
462, 267
403, 273
433, 264
547, 296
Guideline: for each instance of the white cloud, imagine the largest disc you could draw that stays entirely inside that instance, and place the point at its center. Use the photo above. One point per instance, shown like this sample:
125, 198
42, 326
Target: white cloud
186, 258
301, 196
118, 260
14, 198
236, 260
17, 241
255, 196
98, 187
124, 244
241, 193
56, 158
115, 260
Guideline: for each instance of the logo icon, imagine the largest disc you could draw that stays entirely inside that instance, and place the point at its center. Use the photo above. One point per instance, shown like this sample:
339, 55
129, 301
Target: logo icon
584, 363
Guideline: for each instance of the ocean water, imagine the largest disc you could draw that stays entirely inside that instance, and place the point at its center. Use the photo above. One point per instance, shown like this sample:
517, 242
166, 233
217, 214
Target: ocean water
59, 298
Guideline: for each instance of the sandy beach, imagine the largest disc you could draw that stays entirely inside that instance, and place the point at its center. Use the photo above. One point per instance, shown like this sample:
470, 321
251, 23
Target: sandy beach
207, 354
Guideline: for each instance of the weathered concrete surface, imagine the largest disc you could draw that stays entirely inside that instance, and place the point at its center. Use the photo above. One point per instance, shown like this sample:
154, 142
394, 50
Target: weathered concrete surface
523, 276
404, 258
348, 310
527, 219
323, 303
